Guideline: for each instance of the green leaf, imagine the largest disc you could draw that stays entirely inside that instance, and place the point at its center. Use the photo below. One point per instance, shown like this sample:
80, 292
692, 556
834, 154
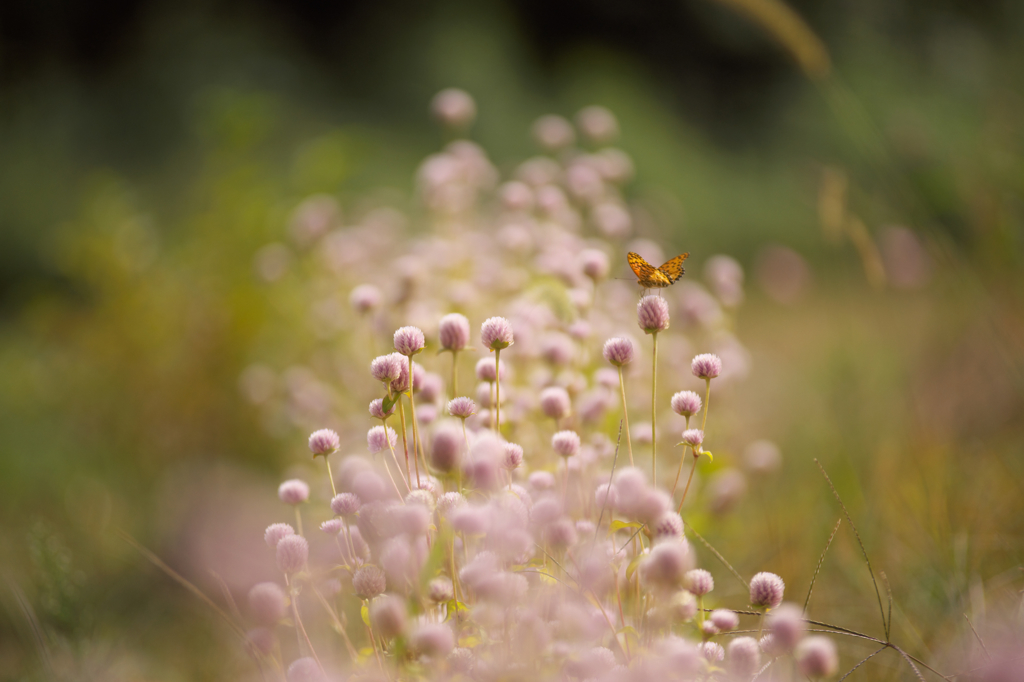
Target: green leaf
631, 569
710, 456
389, 402
365, 613
619, 525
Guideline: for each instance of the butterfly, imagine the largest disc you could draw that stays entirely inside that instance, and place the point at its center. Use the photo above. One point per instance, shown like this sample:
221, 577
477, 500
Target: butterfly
650, 277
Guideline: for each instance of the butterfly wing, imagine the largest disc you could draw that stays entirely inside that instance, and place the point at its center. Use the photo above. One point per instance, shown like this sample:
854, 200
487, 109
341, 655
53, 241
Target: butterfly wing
643, 270
674, 268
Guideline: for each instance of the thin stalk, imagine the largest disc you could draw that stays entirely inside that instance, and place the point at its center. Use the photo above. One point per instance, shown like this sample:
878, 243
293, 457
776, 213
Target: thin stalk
707, 404
298, 519
455, 373
405, 443
417, 446
625, 416
301, 627
681, 460
497, 390
689, 480
654, 413
394, 456
334, 490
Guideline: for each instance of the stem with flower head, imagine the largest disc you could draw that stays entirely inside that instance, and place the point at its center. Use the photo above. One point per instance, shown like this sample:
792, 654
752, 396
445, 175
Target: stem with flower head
497, 390
654, 413
625, 415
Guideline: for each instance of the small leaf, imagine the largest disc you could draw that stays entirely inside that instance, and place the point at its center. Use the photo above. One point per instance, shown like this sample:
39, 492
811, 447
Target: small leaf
619, 525
365, 613
710, 456
631, 569
389, 402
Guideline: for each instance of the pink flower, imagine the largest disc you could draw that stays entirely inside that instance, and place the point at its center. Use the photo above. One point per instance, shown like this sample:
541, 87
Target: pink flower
618, 351
409, 340
496, 333
706, 366
454, 332
652, 314
323, 442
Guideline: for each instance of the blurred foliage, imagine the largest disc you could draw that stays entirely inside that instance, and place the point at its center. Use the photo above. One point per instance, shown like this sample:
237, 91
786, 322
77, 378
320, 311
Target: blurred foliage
133, 204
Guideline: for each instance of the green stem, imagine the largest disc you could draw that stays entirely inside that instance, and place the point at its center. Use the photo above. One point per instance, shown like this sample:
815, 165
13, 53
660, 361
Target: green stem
497, 390
334, 490
625, 416
688, 481
298, 519
707, 403
682, 459
405, 443
654, 413
415, 427
455, 373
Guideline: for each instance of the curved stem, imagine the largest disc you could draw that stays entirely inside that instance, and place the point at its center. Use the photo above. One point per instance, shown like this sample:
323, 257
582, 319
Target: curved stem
625, 416
687, 488
654, 414
334, 490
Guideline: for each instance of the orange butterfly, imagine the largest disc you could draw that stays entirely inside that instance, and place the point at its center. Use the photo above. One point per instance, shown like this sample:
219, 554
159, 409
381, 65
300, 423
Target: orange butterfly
650, 277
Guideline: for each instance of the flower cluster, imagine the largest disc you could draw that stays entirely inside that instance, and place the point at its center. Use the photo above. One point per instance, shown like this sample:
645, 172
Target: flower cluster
505, 530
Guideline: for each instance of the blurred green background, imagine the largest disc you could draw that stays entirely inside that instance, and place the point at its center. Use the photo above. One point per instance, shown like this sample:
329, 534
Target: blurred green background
149, 149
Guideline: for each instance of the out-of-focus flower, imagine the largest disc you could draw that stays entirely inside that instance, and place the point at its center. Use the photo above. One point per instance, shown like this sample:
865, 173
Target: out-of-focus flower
554, 402
816, 657
454, 332
275, 532
597, 124
368, 582
553, 132
292, 553
365, 298
293, 491
454, 108
699, 582
268, 603
380, 438
566, 443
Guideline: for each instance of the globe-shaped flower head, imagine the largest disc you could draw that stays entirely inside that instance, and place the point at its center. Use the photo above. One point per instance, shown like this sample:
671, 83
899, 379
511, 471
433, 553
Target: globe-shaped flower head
618, 351
454, 332
652, 314
409, 341
706, 366
323, 442
496, 333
